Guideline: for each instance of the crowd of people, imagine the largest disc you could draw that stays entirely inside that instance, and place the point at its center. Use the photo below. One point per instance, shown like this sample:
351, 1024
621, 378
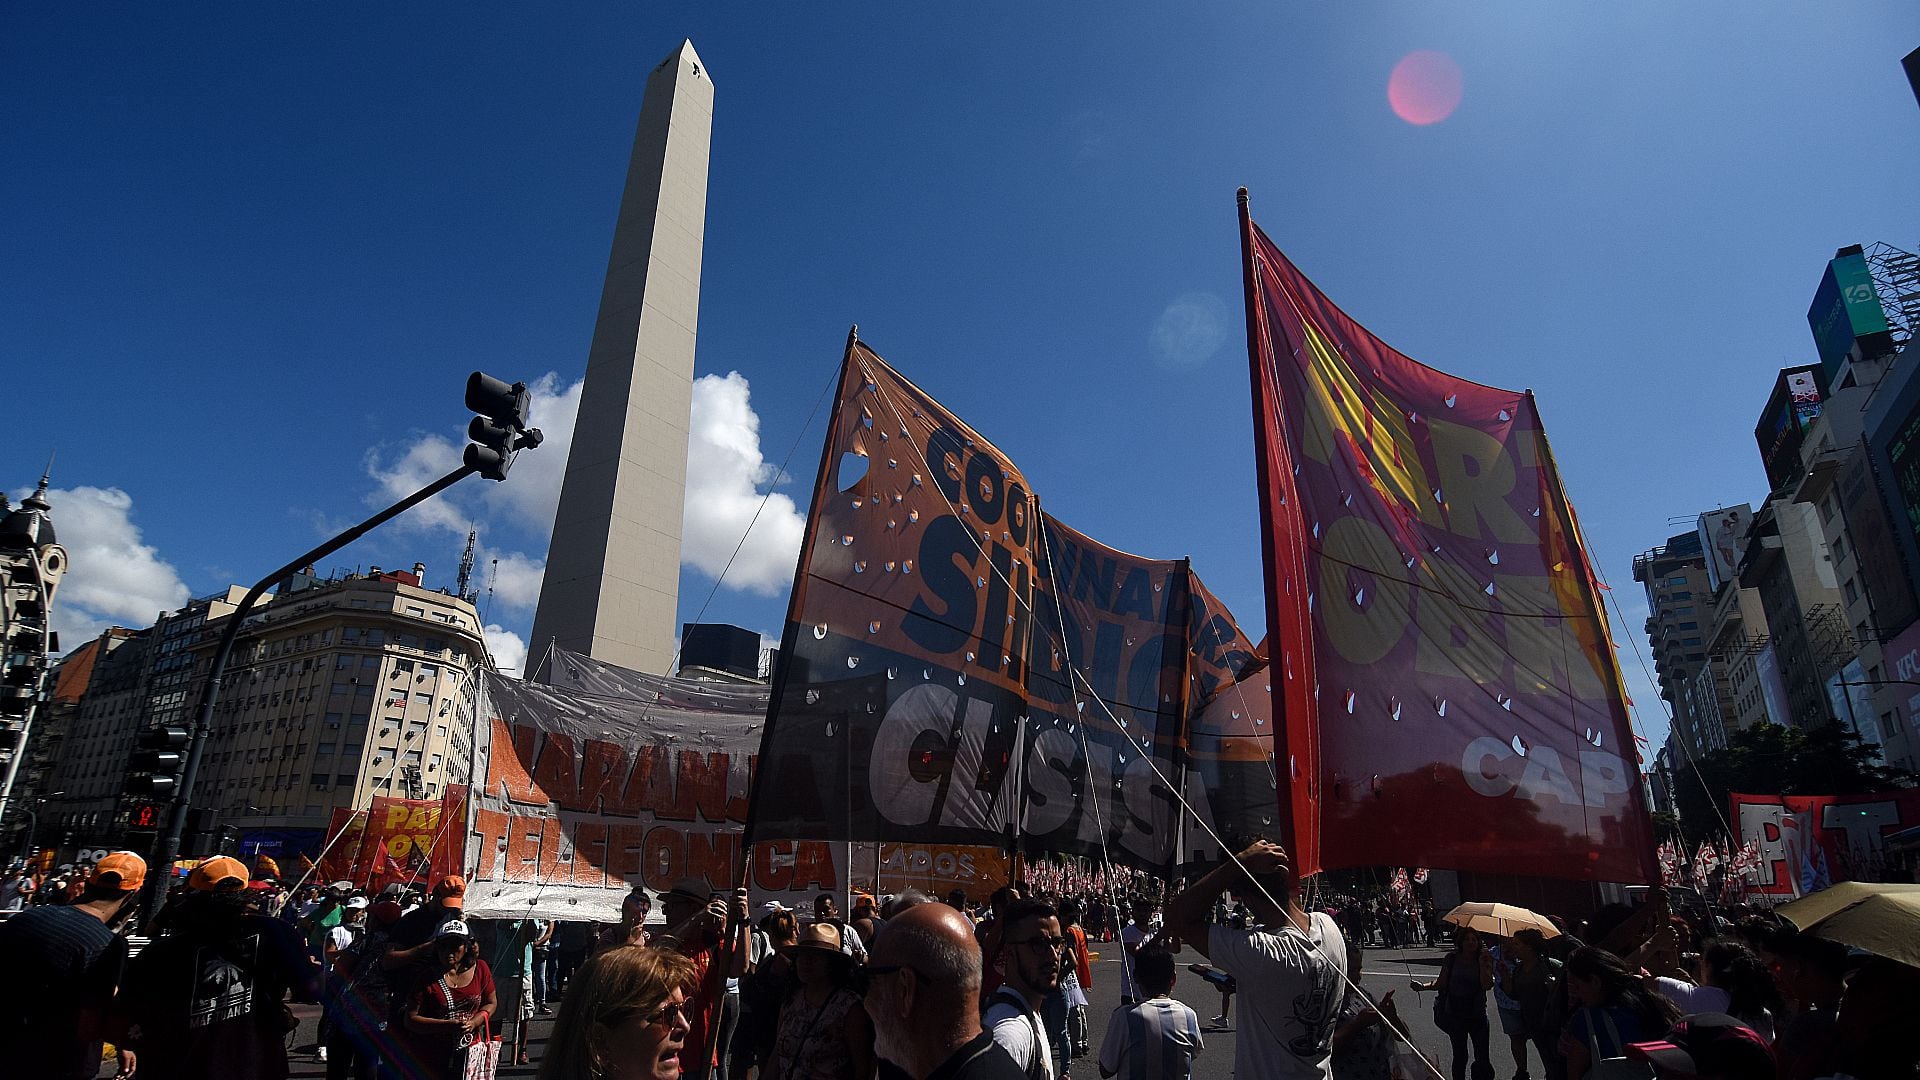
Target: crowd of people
411, 988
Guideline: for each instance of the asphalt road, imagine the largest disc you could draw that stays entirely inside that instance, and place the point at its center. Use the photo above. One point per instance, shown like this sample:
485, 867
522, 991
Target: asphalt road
1382, 970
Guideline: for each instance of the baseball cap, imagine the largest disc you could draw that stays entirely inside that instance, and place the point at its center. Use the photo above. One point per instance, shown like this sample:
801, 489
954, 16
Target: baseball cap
453, 928
450, 890
122, 870
355, 903
217, 871
1708, 1044
692, 889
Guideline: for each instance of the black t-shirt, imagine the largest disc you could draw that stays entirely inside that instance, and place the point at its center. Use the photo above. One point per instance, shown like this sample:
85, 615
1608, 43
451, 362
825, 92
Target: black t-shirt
209, 1000
981, 1059
58, 970
414, 929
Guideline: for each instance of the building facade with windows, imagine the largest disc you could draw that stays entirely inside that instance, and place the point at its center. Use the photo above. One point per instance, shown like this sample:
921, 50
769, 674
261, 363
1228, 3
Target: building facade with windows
338, 691
1679, 619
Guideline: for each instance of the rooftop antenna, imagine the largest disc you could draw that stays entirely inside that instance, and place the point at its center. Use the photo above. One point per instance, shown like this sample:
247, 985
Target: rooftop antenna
493, 572
463, 584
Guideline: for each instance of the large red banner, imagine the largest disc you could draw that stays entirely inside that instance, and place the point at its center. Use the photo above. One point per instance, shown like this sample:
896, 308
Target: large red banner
410, 841
1444, 684
1809, 841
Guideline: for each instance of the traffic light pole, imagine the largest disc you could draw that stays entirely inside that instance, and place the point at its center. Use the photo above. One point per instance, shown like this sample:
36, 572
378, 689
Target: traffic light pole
210, 693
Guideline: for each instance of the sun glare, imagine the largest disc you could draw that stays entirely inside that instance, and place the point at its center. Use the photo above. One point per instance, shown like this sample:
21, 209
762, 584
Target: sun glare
1424, 87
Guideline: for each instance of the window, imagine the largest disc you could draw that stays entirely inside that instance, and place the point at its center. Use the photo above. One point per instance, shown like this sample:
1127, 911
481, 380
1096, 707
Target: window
1852, 590
351, 750
435, 765
376, 636
323, 748
344, 779
1690, 641
1689, 626
1839, 548
319, 781
1827, 508
333, 719
1681, 611
369, 662
417, 612
423, 700
1682, 595
1680, 579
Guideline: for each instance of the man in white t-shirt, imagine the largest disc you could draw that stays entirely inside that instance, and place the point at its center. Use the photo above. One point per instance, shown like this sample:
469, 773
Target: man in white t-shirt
1158, 1038
1132, 936
1291, 966
1031, 963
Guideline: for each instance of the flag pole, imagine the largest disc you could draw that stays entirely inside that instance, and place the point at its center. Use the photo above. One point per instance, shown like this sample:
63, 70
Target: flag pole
782, 672
1262, 434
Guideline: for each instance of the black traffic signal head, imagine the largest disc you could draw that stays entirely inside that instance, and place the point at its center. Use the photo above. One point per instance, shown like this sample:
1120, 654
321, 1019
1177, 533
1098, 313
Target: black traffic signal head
158, 762
499, 402
503, 417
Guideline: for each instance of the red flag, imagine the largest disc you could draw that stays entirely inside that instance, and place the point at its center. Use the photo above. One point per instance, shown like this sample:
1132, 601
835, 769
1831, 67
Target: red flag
1434, 621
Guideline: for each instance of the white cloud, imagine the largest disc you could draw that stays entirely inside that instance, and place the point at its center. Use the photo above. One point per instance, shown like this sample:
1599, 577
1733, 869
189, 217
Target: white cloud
112, 577
725, 472
513, 577
1190, 330
726, 477
508, 651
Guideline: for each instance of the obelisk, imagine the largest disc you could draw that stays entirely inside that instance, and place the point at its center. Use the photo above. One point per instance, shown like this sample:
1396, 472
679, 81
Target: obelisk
612, 583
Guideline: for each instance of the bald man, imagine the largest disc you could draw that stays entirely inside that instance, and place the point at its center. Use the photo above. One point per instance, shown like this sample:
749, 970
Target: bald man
923, 993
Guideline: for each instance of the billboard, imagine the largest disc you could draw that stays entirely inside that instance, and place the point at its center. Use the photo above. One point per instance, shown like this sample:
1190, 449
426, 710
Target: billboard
1795, 403
1846, 308
1723, 536
1850, 697
1903, 456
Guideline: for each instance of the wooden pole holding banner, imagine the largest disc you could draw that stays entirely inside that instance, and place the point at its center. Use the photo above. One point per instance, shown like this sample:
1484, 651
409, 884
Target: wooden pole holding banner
782, 672
1263, 428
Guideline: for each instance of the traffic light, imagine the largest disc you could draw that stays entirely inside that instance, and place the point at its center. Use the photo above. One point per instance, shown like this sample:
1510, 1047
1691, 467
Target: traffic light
144, 815
502, 419
158, 762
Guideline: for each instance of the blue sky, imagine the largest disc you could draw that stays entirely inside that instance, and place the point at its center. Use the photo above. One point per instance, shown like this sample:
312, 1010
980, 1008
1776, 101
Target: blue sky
250, 253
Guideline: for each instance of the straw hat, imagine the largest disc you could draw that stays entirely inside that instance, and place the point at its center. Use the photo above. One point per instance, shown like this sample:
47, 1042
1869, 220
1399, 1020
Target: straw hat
822, 936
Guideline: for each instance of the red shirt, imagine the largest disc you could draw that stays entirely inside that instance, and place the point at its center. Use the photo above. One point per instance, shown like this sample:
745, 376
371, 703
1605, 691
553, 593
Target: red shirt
702, 1007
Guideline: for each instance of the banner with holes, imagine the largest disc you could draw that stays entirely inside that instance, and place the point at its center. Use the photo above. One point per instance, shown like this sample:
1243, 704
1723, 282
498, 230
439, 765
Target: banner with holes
961, 668
1446, 687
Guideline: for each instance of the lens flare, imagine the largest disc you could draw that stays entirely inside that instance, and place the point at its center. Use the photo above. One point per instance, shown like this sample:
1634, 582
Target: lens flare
1424, 87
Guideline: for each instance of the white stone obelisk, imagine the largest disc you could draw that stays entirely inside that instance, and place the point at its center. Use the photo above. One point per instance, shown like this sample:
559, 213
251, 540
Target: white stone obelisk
612, 584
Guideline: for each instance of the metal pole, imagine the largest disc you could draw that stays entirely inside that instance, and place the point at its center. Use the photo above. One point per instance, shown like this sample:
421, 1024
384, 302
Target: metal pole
210, 693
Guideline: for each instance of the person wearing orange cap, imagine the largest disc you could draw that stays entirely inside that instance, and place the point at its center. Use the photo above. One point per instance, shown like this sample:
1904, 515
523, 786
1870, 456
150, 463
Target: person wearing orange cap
62, 965
209, 998
409, 955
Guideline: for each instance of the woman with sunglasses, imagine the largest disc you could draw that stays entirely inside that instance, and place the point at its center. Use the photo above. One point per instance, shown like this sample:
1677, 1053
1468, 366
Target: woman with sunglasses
452, 1010
824, 1034
623, 1018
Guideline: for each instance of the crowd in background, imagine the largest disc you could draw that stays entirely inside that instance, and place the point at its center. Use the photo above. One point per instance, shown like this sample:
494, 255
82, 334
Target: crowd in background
410, 988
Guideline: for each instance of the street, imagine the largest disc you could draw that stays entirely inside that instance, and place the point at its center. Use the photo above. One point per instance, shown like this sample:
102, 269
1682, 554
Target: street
1383, 970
